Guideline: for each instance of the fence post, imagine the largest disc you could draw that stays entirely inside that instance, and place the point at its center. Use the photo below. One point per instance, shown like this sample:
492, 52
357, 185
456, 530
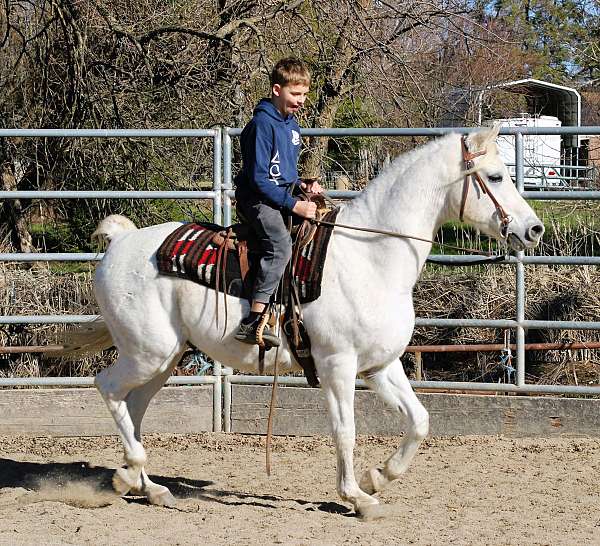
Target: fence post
227, 182
217, 398
227, 399
217, 176
520, 273
418, 366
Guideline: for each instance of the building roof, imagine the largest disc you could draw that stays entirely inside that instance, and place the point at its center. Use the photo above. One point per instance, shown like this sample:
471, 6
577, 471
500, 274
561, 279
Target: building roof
542, 98
548, 99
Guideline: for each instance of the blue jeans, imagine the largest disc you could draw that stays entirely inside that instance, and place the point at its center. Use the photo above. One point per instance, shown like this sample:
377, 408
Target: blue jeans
275, 242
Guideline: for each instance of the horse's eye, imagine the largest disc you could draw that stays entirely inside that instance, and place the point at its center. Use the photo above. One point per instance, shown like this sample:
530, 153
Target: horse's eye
495, 178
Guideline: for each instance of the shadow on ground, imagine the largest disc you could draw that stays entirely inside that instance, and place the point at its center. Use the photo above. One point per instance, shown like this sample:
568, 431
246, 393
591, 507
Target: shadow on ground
32, 476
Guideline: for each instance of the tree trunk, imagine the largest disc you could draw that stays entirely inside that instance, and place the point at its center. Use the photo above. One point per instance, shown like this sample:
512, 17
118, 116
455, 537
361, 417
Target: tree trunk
14, 212
330, 96
312, 162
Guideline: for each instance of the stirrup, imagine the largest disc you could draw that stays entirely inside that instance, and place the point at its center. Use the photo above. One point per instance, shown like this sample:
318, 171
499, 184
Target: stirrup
258, 333
264, 336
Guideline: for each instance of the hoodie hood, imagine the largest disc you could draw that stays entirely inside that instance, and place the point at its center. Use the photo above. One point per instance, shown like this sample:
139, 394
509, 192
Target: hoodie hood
267, 107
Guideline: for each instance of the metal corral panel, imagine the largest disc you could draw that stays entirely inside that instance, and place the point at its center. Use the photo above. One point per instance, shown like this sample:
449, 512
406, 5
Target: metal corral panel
82, 412
303, 412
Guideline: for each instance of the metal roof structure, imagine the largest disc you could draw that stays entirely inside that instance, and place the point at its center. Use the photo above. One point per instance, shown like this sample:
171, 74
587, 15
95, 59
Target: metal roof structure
543, 99
548, 99
467, 106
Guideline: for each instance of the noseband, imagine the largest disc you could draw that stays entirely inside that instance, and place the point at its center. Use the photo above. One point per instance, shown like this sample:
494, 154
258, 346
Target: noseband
468, 157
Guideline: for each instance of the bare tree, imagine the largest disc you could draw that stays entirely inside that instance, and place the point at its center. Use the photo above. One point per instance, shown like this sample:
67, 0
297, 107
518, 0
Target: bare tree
87, 63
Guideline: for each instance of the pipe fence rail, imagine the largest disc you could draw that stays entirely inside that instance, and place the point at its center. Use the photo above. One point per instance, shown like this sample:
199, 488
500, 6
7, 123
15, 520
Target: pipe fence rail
221, 196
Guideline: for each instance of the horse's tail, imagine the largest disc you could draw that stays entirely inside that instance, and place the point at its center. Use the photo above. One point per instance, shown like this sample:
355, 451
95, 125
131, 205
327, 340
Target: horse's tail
87, 339
112, 225
92, 337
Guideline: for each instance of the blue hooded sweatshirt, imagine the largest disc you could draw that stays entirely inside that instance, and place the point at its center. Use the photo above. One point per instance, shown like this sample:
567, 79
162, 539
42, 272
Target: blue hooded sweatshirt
270, 148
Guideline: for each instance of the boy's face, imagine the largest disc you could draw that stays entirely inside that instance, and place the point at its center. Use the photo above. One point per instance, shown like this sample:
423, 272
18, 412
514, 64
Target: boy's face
288, 99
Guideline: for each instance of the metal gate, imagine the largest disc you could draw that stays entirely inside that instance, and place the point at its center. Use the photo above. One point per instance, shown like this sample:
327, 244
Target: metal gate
221, 195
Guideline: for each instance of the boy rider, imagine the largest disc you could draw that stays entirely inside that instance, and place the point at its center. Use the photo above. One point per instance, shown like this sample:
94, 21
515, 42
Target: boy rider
270, 146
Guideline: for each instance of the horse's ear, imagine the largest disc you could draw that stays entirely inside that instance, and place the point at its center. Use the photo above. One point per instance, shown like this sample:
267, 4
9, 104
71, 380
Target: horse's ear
494, 132
476, 141
479, 140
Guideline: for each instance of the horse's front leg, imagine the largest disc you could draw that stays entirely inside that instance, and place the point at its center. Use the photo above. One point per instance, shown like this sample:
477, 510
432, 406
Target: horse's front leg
338, 375
392, 385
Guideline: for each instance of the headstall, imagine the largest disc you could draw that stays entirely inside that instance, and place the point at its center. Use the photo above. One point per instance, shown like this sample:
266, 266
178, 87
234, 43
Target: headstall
468, 158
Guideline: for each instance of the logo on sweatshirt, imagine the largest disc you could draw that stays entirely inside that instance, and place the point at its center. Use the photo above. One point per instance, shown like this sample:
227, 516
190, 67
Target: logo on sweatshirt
275, 168
295, 137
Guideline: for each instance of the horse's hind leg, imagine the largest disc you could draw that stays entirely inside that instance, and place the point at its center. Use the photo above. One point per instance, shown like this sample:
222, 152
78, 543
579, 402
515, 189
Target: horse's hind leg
115, 384
137, 401
392, 385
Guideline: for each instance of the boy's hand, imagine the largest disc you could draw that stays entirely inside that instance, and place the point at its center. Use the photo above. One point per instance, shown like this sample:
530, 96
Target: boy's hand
305, 209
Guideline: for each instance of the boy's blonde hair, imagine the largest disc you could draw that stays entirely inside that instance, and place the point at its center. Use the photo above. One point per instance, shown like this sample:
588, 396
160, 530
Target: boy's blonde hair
290, 71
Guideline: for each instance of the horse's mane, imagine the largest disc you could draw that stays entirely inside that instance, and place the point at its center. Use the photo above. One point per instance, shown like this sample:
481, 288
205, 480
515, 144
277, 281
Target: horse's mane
402, 169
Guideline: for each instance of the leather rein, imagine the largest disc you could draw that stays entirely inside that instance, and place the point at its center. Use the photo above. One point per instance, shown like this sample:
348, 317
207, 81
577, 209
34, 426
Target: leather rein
468, 157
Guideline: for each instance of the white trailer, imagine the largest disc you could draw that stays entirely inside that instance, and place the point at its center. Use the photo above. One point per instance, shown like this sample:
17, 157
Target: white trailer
541, 153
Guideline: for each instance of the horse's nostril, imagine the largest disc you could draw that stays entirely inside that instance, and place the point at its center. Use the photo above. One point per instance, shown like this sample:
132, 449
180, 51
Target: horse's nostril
535, 231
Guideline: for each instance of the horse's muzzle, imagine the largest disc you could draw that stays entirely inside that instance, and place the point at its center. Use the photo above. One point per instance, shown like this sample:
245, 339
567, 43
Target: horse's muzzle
528, 239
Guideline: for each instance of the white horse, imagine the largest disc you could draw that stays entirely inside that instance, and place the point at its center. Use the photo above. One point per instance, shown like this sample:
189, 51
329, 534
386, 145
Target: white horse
360, 324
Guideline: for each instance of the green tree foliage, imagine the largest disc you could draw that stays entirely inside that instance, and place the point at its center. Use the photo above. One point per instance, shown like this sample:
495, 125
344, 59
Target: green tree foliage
550, 32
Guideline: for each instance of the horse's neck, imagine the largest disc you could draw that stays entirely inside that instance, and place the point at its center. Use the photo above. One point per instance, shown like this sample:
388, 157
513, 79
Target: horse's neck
410, 198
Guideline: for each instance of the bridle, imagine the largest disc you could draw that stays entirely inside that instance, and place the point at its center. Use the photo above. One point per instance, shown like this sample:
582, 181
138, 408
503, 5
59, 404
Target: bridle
468, 157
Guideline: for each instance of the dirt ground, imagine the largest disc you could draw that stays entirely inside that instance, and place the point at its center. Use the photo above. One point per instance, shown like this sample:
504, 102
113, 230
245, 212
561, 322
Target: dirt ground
468, 490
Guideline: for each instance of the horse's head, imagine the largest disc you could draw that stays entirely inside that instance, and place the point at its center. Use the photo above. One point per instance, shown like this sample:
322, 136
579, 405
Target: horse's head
489, 199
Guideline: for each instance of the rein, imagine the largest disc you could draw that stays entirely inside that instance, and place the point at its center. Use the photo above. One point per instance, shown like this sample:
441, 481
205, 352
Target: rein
402, 236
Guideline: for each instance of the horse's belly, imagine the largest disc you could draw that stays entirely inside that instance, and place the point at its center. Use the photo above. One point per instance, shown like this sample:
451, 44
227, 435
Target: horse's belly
211, 325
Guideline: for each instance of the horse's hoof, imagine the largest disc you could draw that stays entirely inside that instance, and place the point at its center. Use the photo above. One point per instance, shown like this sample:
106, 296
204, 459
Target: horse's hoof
373, 481
164, 498
373, 512
121, 482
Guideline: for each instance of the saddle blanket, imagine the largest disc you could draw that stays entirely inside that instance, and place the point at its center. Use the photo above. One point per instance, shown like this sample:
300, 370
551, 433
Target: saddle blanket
189, 253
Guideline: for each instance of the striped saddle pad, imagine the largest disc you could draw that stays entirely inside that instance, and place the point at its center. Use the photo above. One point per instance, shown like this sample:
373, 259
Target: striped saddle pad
190, 253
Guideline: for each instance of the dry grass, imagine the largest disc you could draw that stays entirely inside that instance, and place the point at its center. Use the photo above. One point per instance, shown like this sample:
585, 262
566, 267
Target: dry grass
40, 291
553, 293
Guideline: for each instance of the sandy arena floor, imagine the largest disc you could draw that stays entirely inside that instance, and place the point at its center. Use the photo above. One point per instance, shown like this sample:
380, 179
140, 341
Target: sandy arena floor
470, 490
